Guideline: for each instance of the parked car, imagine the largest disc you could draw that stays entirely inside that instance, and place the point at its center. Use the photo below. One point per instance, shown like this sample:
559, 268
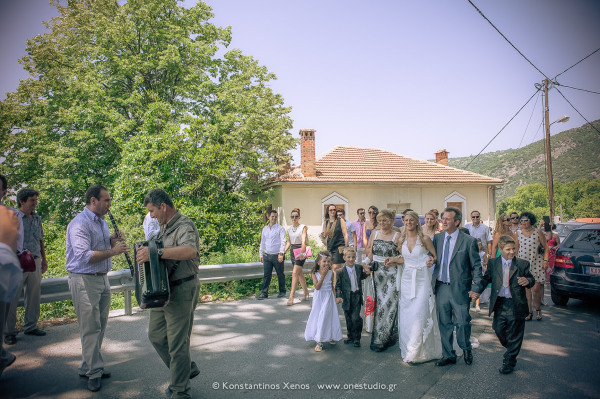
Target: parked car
576, 272
565, 228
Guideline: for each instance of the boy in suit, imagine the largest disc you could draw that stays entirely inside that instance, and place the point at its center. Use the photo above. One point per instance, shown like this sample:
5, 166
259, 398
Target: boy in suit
349, 288
509, 277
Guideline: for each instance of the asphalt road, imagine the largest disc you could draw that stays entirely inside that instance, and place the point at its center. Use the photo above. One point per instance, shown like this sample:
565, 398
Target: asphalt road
256, 349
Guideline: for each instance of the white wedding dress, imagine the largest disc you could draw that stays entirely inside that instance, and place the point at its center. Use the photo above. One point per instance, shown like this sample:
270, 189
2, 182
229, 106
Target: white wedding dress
420, 339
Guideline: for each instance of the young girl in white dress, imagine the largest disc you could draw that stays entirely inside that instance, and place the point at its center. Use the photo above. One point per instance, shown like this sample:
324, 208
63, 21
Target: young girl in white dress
324, 322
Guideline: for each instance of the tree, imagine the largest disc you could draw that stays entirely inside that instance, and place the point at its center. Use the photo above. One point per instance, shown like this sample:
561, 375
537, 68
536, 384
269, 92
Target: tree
579, 198
134, 96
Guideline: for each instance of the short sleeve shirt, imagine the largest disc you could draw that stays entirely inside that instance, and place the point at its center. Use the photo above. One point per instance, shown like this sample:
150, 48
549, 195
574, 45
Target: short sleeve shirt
32, 233
180, 231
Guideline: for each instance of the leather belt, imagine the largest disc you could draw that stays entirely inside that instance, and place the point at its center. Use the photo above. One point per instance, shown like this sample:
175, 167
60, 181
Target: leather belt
441, 282
181, 281
93, 274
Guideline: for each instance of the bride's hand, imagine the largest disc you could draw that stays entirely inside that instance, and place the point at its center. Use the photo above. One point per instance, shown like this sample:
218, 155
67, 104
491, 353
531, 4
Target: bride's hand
429, 262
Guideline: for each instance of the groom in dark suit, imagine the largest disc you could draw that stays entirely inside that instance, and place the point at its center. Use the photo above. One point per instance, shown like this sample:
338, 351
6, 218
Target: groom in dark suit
457, 271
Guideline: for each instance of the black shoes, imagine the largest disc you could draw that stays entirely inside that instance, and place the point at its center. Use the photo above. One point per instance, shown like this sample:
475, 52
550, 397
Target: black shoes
94, 384
194, 370
506, 369
468, 355
10, 339
445, 361
37, 332
281, 295
262, 296
357, 344
348, 341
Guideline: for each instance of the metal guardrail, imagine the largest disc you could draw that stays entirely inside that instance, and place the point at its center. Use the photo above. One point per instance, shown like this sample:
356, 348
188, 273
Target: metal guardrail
57, 289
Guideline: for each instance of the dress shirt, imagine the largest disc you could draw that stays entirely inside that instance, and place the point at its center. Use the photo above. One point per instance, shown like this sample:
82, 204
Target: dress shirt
352, 273
85, 234
272, 240
452, 243
11, 274
33, 233
481, 231
505, 290
151, 226
359, 228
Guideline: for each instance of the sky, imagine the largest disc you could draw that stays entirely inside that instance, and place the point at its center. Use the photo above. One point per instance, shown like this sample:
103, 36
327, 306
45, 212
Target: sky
410, 77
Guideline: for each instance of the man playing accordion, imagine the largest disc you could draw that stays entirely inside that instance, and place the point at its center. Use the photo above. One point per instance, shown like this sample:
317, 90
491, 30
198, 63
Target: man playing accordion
170, 326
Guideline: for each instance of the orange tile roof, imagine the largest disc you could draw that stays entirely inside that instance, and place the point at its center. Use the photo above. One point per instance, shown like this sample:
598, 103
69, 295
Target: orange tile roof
358, 164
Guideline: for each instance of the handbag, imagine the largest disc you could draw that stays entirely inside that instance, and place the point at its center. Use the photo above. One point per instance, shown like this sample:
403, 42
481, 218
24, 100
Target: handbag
540, 249
27, 261
307, 252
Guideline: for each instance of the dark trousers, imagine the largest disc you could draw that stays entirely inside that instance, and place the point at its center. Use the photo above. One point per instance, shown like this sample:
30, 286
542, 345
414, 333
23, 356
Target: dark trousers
270, 261
509, 329
354, 323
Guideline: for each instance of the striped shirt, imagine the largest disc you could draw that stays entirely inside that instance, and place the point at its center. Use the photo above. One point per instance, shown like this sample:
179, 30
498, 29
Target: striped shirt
33, 233
85, 234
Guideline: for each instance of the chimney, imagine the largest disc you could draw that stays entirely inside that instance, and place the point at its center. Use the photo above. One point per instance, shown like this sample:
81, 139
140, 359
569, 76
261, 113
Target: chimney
441, 157
307, 153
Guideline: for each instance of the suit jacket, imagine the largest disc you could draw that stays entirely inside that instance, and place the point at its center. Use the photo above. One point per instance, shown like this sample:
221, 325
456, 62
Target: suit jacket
493, 274
343, 286
465, 265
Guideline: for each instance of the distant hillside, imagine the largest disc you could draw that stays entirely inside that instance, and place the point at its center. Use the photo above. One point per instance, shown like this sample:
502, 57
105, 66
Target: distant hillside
575, 155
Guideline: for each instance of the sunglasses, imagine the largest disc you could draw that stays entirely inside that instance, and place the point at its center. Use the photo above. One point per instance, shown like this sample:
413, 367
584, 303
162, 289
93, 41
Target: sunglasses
505, 220
514, 218
524, 220
332, 210
294, 217
475, 217
361, 213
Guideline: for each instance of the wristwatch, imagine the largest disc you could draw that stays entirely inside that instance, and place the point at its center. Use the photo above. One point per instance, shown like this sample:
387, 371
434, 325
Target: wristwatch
160, 253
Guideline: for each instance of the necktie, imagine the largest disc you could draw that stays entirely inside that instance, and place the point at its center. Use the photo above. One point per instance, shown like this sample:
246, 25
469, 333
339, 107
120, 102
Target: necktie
352, 280
446, 260
505, 274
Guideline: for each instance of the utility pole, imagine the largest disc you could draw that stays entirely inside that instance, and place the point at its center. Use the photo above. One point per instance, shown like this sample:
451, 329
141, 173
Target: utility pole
548, 151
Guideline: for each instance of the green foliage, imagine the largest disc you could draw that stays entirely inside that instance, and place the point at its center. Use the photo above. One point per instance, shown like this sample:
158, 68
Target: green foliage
579, 198
135, 96
574, 156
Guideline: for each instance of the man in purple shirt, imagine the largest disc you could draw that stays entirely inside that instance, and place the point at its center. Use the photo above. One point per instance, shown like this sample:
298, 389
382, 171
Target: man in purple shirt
90, 248
358, 235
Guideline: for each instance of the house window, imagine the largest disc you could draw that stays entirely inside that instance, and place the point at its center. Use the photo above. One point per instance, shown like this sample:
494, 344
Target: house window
336, 199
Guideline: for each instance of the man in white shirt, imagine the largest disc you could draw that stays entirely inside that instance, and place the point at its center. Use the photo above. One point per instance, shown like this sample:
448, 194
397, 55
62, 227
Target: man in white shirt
481, 231
272, 246
359, 236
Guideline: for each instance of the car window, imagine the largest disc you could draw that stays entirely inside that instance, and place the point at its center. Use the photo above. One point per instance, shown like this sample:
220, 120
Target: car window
588, 240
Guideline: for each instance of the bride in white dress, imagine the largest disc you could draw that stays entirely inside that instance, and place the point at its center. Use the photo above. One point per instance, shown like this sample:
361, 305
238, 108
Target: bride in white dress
417, 323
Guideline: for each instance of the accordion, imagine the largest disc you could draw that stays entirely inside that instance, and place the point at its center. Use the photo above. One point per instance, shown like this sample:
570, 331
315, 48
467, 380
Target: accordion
151, 278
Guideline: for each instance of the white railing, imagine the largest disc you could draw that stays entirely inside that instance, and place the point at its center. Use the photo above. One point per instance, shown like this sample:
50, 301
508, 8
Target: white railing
57, 289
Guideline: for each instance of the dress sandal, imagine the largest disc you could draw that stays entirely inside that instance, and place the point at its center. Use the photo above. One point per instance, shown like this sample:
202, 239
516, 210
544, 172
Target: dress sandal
529, 316
538, 314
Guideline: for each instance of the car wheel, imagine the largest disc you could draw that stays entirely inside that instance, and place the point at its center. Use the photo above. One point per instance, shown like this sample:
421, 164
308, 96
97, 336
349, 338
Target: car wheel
559, 299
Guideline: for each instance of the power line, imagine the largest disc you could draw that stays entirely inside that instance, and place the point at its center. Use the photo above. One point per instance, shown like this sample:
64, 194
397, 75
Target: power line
529, 121
505, 38
575, 88
493, 138
598, 49
576, 110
